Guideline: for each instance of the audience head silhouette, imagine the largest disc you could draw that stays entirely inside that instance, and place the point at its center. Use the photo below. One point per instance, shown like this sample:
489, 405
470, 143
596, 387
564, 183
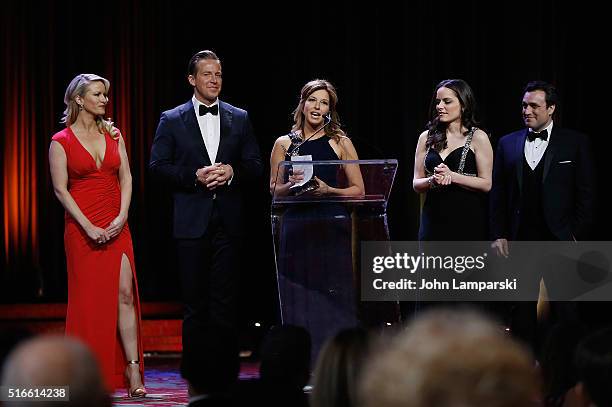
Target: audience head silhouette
593, 364
338, 369
285, 366
211, 362
450, 358
56, 361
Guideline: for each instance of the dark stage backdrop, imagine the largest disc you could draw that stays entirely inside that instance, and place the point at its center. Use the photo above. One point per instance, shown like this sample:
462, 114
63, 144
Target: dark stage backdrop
384, 58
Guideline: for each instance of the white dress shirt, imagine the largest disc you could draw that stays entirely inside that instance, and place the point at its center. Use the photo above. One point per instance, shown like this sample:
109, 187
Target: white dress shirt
210, 128
534, 150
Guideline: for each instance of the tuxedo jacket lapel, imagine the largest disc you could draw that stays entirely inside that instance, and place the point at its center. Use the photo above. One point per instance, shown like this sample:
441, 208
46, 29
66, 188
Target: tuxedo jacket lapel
193, 128
226, 126
551, 151
519, 153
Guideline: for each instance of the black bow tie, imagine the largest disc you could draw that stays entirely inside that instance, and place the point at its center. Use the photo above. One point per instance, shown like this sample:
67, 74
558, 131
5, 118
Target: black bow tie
532, 135
214, 110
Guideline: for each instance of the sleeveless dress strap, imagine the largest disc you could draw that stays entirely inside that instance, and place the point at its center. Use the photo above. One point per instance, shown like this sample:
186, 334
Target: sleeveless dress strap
427, 172
466, 148
296, 141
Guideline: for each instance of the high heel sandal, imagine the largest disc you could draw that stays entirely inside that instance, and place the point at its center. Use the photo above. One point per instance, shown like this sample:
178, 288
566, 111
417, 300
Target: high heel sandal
137, 391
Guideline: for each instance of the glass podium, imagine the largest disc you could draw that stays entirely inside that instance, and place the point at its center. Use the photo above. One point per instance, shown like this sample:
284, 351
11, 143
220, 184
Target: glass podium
317, 244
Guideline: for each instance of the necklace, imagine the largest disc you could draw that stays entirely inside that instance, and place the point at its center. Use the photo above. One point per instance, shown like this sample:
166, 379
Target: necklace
296, 140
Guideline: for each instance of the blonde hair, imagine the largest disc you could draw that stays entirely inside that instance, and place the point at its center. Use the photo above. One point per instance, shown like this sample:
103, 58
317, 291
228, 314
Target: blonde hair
78, 87
450, 358
338, 368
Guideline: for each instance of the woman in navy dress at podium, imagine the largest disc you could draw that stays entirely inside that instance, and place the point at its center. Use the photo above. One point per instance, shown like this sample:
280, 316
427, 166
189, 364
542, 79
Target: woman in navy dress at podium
314, 260
316, 131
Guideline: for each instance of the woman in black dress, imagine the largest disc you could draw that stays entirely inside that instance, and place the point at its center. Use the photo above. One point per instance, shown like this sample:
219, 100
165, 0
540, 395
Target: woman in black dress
316, 132
314, 259
453, 164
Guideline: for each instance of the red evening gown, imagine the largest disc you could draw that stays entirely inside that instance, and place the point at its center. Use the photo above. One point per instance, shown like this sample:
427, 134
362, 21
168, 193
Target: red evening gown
93, 269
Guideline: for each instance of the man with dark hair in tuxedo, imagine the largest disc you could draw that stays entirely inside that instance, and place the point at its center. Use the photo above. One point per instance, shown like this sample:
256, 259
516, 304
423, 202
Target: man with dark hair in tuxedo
543, 190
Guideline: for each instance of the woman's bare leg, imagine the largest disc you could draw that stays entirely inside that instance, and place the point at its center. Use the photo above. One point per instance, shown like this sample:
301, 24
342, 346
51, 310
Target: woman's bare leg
128, 321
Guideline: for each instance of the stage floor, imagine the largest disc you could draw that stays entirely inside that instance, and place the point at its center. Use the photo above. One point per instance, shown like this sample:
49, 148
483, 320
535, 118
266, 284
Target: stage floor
164, 384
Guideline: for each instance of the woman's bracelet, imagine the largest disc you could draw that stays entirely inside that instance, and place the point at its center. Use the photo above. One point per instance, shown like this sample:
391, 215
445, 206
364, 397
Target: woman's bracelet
431, 183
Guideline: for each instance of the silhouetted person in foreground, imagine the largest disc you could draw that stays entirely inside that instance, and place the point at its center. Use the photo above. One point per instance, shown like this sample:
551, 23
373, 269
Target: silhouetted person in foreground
593, 369
285, 366
338, 369
210, 365
56, 361
450, 358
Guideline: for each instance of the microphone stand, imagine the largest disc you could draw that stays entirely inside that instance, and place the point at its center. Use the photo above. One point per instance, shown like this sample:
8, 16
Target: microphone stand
296, 149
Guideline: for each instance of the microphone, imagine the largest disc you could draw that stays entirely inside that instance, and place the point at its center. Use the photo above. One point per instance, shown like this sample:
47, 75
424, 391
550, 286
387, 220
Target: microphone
326, 121
330, 120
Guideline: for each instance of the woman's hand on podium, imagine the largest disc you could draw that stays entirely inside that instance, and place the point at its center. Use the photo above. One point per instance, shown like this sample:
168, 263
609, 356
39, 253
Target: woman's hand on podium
323, 189
296, 176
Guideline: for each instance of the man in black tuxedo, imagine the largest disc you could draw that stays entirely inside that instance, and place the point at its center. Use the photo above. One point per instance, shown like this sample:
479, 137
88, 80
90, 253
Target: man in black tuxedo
206, 151
542, 187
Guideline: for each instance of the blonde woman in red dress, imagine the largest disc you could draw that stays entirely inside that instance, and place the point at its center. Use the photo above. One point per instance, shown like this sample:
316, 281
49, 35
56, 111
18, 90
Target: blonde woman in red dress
91, 178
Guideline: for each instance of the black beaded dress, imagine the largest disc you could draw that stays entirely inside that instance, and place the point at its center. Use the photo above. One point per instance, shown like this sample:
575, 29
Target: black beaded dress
453, 213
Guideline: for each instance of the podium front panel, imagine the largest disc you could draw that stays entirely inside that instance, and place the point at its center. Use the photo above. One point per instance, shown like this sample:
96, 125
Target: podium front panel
317, 243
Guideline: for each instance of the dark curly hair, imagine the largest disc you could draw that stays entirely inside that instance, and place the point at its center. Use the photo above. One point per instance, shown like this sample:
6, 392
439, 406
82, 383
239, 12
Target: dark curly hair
436, 135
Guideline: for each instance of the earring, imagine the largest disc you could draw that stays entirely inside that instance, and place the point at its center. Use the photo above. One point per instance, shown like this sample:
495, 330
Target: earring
80, 107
